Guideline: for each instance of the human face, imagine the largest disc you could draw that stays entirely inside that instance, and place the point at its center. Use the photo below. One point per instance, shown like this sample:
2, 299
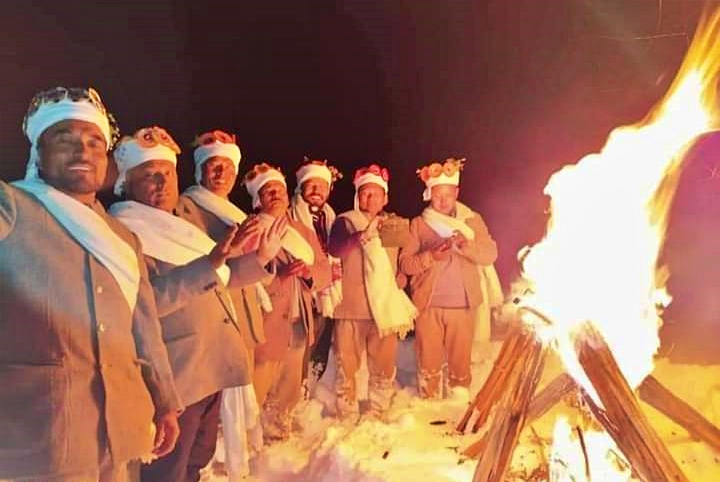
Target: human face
153, 183
372, 198
218, 175
443, 198
315, 191
274, 198
73, 158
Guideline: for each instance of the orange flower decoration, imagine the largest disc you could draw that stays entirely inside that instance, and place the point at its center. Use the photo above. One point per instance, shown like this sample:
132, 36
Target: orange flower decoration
152, 136
258, 169
449, 168
435, 169
213, 137
372, 169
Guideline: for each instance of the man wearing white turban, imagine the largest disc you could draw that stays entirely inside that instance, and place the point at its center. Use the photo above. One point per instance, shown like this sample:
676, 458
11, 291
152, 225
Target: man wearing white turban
190, 274
207, 206
301, 269
83, 369
309, 206
449, 250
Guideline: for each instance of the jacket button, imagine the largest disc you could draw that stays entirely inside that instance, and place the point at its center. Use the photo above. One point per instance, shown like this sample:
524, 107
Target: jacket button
101, 327
99, 290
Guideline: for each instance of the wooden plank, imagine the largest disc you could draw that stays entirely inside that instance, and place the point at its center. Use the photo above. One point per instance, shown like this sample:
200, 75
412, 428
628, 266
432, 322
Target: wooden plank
620, 414
510, 415
658, 396
496, 382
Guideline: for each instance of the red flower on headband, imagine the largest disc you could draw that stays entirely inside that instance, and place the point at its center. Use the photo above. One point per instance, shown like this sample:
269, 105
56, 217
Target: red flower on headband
213, 137
382, 172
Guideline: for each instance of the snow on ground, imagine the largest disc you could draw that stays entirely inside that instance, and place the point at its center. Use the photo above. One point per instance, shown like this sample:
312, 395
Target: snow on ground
416, 441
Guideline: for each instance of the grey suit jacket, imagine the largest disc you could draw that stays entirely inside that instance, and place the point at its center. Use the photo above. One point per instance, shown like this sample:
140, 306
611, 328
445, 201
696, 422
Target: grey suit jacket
78, 370
244, 297
199, 324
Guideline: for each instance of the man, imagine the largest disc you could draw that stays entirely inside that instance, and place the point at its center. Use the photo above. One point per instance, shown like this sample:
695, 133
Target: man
206, 205
309, 206
300, 268
83, 369
449, 246
190, 274
374, 309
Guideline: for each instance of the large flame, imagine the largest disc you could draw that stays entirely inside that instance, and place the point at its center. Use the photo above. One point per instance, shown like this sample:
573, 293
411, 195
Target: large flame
598, 260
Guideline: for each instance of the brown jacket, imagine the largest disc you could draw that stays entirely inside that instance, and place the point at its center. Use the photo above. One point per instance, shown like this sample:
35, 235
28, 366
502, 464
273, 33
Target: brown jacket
199, 326
250, 315
277, 323
417, 262
344, 244
74, 361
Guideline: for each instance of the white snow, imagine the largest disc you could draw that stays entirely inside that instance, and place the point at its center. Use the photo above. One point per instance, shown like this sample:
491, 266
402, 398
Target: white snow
417, 442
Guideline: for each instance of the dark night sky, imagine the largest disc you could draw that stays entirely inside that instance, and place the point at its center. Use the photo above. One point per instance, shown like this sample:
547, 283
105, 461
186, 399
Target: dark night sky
519, 87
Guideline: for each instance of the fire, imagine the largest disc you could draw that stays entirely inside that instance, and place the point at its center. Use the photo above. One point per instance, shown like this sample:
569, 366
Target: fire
599, 460
599, 258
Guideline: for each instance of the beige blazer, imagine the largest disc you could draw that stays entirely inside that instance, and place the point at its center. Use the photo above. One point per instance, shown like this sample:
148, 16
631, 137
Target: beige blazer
344, 244
74, 361
249, 311
277, 323
417, 262
200, 326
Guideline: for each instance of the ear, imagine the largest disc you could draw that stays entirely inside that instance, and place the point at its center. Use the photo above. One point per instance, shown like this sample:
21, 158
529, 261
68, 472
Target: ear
386, 199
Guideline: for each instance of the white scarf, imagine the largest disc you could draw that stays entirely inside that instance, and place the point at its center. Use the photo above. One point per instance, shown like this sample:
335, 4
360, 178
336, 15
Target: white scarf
93, 233
230, 215
490, 286
390, 307
328, 298
166, 237
293, 242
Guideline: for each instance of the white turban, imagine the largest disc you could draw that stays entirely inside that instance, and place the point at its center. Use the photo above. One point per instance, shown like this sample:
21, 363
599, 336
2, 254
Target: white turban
50, 113
443, 178
309, 171
130, 154
205, 152
253, 187
368, 178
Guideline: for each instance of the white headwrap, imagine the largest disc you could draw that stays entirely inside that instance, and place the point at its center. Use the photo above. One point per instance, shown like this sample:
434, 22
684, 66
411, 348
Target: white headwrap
50, 113
253, 187
368, 178
453, 180
309, 171
130, 154
217, 148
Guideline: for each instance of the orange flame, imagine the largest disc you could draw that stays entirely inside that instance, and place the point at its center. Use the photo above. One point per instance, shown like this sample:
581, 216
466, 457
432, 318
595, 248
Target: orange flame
598, 259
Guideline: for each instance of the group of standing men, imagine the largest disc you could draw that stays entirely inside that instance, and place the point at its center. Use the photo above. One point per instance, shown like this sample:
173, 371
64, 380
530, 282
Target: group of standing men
129, 334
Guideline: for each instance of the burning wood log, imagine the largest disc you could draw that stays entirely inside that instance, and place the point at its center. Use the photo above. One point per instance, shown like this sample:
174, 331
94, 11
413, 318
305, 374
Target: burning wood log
510, 354
655, 394
509, 420
622, 416
553, 393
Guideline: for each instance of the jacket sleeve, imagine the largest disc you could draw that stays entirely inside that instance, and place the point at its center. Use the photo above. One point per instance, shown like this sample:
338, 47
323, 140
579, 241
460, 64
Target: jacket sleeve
246, 270
8, 210
482, 250
151, 348
342, 239
174, 288
413, 261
